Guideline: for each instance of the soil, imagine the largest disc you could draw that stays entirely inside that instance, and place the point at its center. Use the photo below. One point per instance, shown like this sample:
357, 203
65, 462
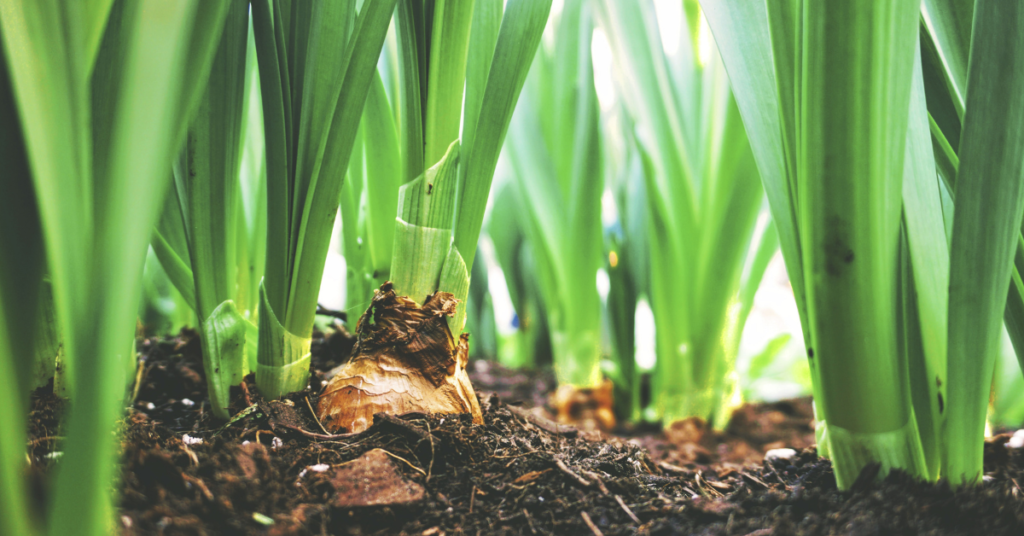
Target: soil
274, 471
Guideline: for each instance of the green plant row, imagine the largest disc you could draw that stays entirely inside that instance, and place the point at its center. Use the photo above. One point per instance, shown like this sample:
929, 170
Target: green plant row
850, 111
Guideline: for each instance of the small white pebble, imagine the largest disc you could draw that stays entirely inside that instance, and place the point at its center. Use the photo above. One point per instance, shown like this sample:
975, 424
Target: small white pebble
539, 498
150, 406
442, 422
189, 440
276, 443
779, 454
318, 468
246, 442
53, 455
1017, 441
188, 403
126, 521
323, 383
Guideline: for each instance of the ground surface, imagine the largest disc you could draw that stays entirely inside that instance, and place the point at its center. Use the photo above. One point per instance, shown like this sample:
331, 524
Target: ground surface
268, 472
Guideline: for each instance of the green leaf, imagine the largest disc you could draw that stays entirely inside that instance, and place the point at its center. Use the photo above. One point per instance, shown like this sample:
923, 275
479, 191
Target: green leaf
949, 23
929, 261
554, 148
410, 30
383, 177
321, 202
455, 279
703, 200
518, 37
633, 34
483, 37
171, 246
447, 77
742, 33
784, 17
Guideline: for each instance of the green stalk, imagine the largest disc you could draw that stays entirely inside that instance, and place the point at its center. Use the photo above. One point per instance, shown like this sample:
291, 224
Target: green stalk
856, 70
208, 187
23, 304
313, 96
519, 349
628, 266
989, 208
480, 318
759, 46
704, 197
369, 198
493, 85
426, 224
437, 207
102, 125
554, 147
762, 249
445, 83
353, 227
925, 267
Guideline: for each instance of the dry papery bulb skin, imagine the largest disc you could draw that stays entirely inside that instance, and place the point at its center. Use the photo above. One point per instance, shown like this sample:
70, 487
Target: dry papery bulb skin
405, 361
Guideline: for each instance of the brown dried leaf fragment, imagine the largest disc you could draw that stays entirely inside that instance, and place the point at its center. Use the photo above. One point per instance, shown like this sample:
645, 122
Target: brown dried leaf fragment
406, 361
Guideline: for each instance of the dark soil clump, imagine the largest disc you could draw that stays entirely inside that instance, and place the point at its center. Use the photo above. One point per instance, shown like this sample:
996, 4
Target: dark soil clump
273, 470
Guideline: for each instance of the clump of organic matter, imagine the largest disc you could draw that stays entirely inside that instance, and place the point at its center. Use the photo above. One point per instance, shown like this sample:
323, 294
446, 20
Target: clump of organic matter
405, 361
588, 408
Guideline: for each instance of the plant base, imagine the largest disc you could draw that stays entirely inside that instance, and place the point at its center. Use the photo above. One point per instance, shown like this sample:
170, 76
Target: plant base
406, 361
851, 452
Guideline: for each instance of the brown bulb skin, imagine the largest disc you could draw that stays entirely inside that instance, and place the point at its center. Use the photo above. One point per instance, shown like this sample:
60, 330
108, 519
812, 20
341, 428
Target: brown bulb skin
405, 361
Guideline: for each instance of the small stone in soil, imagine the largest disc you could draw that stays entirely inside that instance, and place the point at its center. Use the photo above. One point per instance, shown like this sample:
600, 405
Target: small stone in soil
373, 480
779, 454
